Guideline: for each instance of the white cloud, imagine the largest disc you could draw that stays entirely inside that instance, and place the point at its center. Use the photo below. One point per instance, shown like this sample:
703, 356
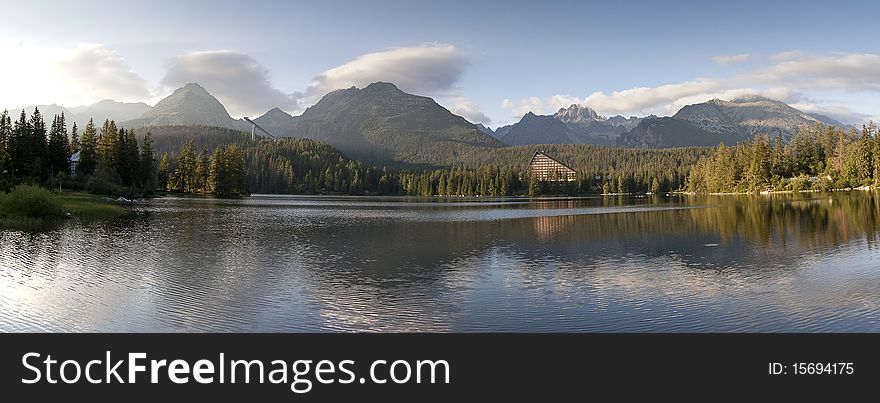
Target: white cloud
731, 59
790, 76
80, 75
788, 55
555, 102
431, 69
241, 83
517, 110
467, 109
837, 112
642, 99
850, 72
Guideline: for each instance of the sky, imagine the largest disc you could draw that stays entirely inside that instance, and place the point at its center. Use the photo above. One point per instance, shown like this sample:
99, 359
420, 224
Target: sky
489, 61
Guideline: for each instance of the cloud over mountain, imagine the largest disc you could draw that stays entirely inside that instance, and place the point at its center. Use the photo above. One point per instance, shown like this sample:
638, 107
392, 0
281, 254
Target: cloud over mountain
236, 79
467, 109
786, 78
427, 69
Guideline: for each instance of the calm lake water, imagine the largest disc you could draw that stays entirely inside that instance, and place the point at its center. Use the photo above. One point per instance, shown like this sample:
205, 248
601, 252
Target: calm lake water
802, 263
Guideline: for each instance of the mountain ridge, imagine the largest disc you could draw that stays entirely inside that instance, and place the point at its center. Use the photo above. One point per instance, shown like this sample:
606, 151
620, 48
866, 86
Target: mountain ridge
381, 123
191, 104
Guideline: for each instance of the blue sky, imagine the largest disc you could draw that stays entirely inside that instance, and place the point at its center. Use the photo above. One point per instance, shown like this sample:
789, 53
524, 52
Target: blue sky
489, 61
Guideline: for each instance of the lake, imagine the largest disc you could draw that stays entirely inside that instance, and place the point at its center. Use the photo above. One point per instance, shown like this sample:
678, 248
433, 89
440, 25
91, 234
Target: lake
780, 263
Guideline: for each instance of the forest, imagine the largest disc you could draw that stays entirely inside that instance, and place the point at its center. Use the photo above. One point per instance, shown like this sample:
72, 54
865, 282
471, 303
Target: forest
224, 162
818, 157
293, 165
110, 160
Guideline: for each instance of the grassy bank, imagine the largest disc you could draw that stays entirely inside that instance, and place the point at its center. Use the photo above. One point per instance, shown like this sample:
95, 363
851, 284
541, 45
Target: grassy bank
32, 208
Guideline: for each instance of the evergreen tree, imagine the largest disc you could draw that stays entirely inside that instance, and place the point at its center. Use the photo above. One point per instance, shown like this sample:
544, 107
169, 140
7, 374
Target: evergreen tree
27, 146
203, 173
5, 131
162, 176
147, 169
88, 154
58, 147
74, 139
127, 157
108, 144
758, 168
184, 169
227, 171
6, 176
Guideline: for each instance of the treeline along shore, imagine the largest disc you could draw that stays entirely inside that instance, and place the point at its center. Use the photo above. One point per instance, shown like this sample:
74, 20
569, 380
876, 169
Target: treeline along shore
112, 160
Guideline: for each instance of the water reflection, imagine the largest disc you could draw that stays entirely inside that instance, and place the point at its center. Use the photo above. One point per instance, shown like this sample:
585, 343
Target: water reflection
752, 263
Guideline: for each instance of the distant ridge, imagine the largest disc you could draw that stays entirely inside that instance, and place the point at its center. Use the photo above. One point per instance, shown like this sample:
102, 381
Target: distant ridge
576, 124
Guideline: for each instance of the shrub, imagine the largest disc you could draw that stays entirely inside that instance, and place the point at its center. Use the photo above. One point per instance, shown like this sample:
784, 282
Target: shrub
31, 201
823, 185
799, 183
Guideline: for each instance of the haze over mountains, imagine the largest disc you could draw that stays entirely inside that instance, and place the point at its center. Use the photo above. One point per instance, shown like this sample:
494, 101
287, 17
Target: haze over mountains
381, 123
106, 109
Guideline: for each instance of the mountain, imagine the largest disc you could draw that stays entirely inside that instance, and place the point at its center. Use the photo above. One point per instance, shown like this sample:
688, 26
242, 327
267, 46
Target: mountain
826, 120
48, 112
190, 105
100, 111
537, 129
501, 131
588, 127
747, 116
573, 125
275, 120
381, 123
626, 123
485, 129
667, 132
112, 110
714, 121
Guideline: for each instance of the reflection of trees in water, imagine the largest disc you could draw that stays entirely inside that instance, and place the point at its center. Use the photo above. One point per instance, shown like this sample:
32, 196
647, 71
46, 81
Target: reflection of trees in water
814, 221
290, 268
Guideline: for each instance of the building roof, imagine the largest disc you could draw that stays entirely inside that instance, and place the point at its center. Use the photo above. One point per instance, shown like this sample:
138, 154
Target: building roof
74, 157
537, 153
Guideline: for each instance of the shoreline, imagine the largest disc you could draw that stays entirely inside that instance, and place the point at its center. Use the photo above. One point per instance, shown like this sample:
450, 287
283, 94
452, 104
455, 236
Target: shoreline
57, 208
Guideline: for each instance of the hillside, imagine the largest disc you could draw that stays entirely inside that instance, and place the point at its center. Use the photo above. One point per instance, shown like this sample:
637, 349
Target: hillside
189, 105
746, 116
671, 132
382, 124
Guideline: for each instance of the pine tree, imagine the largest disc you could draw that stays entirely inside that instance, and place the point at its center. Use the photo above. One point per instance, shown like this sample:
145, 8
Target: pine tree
74, 139
758, 169
203, 172
58, 147
5, 131
162, 176
147, 168
88, 154
6, 177
108, 144
28, 146
184, 169
534, 188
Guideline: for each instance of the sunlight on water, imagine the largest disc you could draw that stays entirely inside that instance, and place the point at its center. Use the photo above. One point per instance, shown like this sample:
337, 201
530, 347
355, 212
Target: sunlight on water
274, 263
